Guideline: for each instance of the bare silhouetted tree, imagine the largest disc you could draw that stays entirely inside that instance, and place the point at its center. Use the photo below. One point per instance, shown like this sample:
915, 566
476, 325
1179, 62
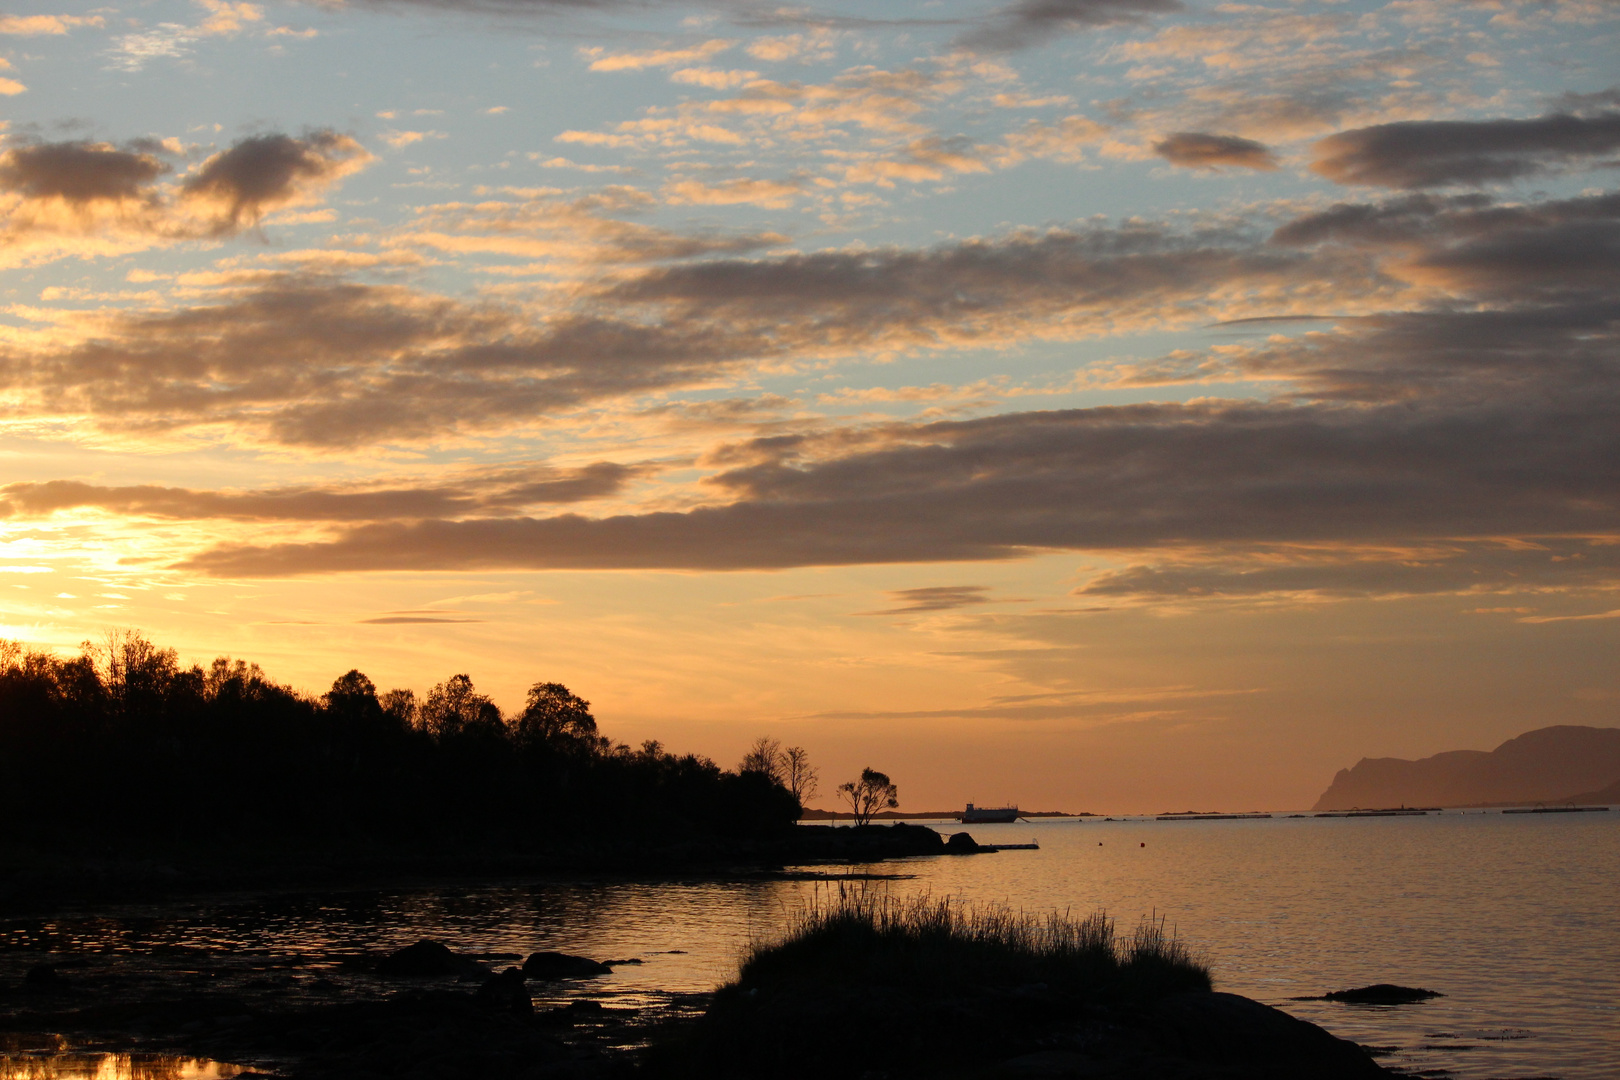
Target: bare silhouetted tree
135, 671
871, 793
798, 774
765, 758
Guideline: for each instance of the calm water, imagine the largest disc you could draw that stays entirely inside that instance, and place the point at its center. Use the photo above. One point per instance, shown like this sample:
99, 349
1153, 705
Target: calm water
1514, 918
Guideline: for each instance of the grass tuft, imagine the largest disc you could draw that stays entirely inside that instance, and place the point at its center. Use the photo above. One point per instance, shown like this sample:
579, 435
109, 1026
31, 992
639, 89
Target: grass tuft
923, 987
861, 936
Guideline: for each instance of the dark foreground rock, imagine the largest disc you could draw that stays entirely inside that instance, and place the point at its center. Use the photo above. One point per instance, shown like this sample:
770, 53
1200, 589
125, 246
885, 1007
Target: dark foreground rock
432, 1035
1380, 994
1225, 1032
494, 1033
506, 993
1026, 1032
438, 1034
867, 843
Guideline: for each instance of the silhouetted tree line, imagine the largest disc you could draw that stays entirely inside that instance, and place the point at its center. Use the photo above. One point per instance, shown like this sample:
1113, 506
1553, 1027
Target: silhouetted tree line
122, 740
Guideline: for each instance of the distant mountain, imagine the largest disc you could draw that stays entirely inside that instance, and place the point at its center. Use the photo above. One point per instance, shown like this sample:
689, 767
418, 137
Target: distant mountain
1553, 764
1609, 796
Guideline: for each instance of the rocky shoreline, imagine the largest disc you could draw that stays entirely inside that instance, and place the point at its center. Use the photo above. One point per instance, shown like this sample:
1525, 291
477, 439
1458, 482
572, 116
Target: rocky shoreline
450, 1017
427, 1013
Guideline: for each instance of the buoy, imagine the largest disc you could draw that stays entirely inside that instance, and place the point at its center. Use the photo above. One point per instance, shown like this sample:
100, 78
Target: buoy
1144, 843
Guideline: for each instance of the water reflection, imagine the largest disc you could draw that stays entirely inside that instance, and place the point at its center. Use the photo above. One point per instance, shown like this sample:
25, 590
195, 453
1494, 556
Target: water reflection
1513, 919
114, 1067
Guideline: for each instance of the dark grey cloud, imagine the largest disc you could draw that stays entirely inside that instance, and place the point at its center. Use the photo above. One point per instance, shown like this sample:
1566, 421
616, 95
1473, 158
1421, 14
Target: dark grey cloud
325, 361
1030, 22
513, 7
1199, 150
1436, 153
1130, 705
1106, 478
1396, 221
80, 189
1494, 415
317, 361
983, 287
934, 598
1603, 101
1510, 254
1448, 567
264, 172
79, 172
411, 620
487, 491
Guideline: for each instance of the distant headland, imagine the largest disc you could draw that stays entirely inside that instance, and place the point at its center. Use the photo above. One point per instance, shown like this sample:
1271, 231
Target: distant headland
1562, 764
925, 815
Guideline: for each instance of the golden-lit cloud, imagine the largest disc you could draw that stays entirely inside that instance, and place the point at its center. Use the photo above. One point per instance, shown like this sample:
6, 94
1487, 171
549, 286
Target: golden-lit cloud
768, 193
505, 489
602, 60
34, 25
566, 232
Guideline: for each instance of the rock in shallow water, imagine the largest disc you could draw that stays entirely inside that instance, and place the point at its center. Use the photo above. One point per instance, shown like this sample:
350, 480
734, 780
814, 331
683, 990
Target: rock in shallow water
1227, 1031
428, 959
1382, 994
556, 965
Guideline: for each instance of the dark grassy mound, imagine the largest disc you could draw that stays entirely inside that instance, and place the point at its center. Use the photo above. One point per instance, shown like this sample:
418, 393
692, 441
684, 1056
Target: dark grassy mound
869, 940
870, 985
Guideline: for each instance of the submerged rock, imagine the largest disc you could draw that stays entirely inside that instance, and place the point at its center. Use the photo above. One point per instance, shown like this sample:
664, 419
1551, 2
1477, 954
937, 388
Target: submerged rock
505, 993
44, 978
556, 965
1382, 994
429, 959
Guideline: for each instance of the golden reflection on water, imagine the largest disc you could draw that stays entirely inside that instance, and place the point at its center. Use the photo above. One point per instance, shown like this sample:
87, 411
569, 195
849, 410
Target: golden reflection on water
114, 1067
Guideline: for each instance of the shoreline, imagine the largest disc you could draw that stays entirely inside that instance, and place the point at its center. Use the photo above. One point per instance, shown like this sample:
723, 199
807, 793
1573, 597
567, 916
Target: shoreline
34, 882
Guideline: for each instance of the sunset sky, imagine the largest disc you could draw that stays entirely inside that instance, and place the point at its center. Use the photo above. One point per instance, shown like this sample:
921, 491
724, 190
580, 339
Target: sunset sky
1115, 405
